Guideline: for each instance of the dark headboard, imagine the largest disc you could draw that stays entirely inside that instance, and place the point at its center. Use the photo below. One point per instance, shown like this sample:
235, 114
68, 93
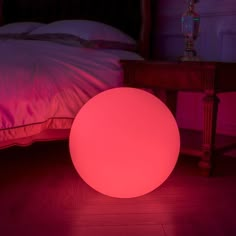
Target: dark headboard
131, 16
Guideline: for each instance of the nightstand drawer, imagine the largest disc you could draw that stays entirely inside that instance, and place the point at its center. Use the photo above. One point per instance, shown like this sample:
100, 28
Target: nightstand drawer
173, 76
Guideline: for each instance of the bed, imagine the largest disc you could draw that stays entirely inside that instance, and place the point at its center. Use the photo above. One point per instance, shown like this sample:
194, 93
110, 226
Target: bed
55, 55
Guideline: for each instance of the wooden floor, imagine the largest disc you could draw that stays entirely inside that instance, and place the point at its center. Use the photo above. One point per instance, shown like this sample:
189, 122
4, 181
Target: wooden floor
41, 194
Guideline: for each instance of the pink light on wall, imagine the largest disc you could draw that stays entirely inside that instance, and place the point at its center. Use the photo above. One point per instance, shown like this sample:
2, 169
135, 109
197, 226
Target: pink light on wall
124, 142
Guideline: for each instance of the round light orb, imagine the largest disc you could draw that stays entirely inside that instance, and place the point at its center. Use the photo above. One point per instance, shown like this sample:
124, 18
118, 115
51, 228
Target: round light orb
124, 142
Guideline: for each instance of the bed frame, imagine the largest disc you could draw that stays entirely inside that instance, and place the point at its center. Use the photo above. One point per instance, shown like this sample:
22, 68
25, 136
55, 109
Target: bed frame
134, 17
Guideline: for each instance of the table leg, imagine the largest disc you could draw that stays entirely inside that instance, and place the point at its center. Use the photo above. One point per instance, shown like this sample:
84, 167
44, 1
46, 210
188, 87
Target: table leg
169, 97
171, 100
210, 104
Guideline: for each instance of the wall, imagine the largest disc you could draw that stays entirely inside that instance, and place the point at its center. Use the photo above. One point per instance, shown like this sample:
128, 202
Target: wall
217, 42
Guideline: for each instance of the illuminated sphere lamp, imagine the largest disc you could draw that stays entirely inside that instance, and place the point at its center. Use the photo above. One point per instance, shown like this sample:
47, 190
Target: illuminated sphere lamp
124, 142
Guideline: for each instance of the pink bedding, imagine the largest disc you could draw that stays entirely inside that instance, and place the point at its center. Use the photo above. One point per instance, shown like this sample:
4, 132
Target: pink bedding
44, 84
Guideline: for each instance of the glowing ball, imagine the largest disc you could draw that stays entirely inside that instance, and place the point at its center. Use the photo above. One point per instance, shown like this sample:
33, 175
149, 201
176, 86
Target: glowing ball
124, 142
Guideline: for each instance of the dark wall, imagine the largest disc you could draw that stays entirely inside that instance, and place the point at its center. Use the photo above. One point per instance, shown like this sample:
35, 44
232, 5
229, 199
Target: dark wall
103, 10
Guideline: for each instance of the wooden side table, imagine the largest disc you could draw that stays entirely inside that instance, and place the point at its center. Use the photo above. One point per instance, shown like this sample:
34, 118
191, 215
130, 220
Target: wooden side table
210, 78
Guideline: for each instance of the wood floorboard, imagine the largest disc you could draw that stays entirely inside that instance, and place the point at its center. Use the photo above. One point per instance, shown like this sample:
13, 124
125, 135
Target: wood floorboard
41, 194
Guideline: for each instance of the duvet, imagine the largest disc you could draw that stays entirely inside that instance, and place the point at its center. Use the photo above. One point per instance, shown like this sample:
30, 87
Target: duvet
44, 84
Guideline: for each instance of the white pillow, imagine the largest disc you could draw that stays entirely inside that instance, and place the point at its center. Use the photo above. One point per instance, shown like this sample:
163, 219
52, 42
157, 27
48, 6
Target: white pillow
19, 27
85, 29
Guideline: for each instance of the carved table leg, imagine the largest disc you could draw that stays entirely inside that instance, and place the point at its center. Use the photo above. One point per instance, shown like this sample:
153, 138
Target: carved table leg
210, 104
